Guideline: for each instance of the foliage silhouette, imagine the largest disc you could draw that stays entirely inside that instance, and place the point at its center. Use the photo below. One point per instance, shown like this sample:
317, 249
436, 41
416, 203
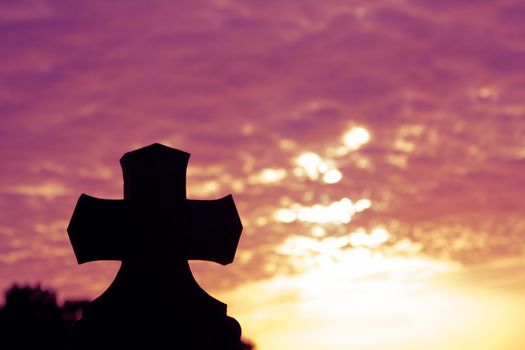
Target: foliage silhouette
32, 319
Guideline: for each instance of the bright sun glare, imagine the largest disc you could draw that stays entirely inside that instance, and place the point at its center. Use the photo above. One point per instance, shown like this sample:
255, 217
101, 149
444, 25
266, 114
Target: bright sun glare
365, 289
357, 298
356, 137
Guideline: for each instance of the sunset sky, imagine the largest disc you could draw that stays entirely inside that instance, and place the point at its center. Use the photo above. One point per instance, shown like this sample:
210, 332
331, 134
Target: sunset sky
375, 150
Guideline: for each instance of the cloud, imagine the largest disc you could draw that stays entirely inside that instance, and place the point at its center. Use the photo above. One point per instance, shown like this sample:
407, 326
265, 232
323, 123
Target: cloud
247, 87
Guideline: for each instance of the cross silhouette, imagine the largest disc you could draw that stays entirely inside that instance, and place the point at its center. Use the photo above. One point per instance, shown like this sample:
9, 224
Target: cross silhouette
154, 231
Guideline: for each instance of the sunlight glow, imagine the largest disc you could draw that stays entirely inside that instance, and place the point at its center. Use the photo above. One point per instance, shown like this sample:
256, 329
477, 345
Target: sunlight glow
362, 204
310, 162
394, 307
321, 250
340, 211
311, 165
318, 231
285, 215
268, 176
356, 137
336, 212
368, 301
406, 246
304, 246
373, 239
332, 176
352, 140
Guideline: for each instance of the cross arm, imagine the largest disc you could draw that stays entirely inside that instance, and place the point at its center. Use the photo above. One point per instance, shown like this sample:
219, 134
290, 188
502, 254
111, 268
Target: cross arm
106, 229
97, 229
214, 230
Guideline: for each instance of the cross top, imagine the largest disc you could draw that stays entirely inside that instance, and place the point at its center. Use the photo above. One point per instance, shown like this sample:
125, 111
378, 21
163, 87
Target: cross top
155, 172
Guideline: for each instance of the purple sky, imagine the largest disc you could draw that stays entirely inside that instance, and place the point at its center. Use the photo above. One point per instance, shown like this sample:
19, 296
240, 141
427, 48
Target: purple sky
247, 87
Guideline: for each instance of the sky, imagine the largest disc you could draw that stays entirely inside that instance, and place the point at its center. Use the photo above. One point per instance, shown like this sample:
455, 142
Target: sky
375, 151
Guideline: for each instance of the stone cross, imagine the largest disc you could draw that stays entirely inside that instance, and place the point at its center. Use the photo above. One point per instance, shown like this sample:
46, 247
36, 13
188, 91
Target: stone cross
154, 299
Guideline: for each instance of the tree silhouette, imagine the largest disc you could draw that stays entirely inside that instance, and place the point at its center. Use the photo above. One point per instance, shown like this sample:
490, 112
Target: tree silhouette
31, 319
